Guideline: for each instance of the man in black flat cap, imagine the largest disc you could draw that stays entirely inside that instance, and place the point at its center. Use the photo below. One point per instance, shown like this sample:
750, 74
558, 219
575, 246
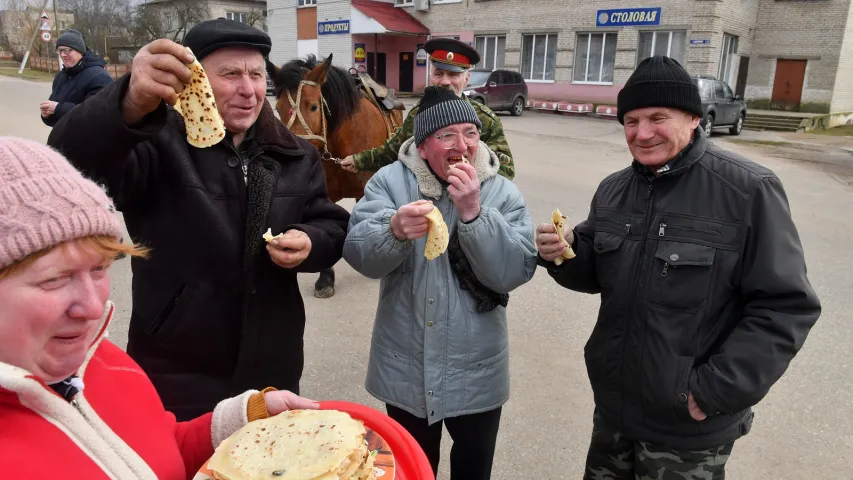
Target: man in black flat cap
216, 310
705, 299
451, 63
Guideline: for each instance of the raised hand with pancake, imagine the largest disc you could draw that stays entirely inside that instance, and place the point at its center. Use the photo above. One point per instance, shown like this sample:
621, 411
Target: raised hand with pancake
159, 72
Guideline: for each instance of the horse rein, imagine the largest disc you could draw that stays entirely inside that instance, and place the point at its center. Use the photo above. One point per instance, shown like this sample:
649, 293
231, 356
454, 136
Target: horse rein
297, 113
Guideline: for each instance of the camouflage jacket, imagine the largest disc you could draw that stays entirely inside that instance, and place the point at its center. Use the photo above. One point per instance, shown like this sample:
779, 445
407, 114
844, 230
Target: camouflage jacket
492, 134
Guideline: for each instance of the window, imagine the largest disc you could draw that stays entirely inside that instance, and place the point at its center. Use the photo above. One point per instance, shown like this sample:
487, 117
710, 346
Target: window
307, 3
595, 56
404, 2
539, 56
727, 93
706, 89
718, 90
727, 57
491, 49
670, 44
169, 20
239, 16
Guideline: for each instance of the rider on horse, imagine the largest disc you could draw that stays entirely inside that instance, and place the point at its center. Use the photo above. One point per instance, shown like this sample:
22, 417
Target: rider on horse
451, 61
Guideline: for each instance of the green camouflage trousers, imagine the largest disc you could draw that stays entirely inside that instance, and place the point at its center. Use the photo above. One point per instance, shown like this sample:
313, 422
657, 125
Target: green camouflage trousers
613, 457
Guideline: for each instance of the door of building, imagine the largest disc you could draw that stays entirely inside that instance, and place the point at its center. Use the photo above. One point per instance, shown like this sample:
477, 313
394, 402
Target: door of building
788, 84
407, 71
742, 74
379, 73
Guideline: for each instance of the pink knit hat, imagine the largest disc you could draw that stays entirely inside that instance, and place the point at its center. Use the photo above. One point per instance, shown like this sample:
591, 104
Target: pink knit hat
45, 201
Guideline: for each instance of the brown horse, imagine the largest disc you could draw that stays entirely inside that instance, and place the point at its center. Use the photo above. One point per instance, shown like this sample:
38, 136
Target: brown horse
323, 104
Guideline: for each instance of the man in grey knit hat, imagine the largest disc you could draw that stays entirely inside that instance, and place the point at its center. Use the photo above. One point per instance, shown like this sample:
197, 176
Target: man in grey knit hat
82, 75
439, 354
704, 294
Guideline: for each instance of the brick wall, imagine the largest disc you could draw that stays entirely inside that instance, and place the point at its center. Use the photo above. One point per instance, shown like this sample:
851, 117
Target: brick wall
701, 19
811, 30
281, 26
842, 96
340, 45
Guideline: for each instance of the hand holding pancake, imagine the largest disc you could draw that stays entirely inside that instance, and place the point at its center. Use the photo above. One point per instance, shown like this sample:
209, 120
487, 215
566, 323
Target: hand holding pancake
289, 249
554, 240
410, 222
160, 70
464, 190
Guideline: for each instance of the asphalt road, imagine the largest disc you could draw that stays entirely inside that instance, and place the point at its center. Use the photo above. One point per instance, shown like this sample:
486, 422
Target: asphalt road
802, 428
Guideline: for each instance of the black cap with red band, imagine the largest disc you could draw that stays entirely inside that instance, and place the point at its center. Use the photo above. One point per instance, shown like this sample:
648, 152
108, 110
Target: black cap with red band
452, 55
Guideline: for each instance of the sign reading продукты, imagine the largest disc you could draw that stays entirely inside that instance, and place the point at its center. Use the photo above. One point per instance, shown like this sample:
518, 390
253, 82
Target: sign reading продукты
332, 28
628, 17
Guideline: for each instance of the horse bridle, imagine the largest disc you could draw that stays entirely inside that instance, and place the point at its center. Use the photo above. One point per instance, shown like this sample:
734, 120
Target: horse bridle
297, 113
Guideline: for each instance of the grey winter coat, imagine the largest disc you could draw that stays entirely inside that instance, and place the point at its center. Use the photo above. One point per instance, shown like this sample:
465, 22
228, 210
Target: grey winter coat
432, 354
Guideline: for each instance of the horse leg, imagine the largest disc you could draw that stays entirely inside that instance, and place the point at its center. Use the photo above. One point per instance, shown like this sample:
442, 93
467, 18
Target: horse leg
325, 285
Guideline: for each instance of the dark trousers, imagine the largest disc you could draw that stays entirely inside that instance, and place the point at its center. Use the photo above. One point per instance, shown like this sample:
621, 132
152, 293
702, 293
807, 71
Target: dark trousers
474, 437
612, 456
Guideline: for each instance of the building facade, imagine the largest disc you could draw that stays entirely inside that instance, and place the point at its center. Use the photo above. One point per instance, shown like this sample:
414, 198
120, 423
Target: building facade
786, 54
17, 26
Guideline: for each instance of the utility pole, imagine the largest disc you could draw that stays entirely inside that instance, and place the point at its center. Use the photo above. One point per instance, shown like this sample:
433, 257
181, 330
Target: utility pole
32, 39
56, 38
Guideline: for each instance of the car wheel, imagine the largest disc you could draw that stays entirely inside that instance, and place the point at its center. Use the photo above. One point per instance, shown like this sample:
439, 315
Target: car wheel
517, 107
708, 124
738, 126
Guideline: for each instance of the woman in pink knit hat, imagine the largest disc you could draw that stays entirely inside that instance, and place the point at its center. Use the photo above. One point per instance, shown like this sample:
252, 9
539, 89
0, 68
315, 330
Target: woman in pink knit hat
72, 404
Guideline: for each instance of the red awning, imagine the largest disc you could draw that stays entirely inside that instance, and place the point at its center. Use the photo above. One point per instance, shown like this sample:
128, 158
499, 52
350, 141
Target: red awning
393, 19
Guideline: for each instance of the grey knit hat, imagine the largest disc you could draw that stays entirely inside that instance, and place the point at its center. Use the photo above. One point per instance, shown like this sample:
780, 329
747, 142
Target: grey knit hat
439, 108
72, 39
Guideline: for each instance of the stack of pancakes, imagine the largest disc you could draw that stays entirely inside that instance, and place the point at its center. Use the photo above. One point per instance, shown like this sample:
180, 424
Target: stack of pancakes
296, 445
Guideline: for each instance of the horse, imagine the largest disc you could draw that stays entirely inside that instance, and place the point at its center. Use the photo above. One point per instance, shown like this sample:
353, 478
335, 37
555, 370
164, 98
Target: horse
339, 113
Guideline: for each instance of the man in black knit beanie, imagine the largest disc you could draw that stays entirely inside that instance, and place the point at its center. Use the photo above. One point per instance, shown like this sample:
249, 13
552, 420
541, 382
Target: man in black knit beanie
704, 294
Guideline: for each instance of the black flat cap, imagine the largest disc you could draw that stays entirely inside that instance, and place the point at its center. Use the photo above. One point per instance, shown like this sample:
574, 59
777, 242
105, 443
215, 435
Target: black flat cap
450, 54
208, 36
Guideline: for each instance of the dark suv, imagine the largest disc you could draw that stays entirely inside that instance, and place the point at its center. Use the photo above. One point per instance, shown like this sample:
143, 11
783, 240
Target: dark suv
719, 105
498, 90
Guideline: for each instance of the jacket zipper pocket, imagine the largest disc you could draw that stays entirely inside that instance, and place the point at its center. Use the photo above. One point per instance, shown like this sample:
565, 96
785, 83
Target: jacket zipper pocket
626, 226
166, 312
663, 227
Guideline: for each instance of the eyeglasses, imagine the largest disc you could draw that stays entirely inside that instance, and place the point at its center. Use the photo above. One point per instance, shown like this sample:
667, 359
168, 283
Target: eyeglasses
449, 139
63, 51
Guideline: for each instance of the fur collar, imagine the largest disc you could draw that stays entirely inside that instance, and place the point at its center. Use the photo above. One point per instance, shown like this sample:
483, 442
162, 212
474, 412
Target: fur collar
486, 164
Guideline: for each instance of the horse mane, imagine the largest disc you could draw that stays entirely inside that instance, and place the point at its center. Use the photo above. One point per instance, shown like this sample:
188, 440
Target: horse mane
340, 92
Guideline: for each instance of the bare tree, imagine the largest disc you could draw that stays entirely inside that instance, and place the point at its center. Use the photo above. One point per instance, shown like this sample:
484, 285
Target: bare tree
171, 18
257, 17
99, 19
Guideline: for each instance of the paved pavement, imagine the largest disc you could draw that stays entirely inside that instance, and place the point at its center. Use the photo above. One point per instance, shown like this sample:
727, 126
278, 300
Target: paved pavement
802, 429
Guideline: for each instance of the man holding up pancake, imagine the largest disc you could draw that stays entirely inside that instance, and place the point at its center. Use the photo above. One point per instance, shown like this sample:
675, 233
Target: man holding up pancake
704, 294
439, 352
216, 310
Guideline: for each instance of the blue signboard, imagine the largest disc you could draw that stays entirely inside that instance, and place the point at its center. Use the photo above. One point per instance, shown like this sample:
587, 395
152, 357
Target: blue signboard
334, 27
628, 17
700, 42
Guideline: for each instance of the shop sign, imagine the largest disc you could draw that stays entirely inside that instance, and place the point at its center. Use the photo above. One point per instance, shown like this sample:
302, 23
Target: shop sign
360, 53
335, 27
628, 17
703, 41
421, 56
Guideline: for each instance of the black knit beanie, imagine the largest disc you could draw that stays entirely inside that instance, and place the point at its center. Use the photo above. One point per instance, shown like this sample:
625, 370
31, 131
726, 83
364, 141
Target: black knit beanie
439, 108
72, 39
659, 82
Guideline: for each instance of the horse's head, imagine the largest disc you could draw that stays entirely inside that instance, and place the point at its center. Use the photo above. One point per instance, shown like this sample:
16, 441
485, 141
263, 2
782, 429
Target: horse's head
299, 98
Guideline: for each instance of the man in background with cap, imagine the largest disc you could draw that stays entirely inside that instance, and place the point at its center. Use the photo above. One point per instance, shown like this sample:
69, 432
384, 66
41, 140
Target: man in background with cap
215, 308
82, 75
704, 294
440, 347
451, 61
